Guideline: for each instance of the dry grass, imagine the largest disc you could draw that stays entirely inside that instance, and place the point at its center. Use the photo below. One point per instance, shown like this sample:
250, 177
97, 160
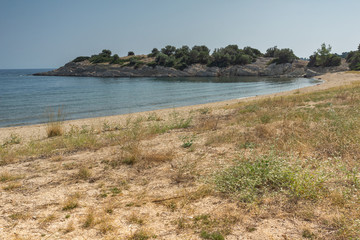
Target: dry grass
71, 202
54, 126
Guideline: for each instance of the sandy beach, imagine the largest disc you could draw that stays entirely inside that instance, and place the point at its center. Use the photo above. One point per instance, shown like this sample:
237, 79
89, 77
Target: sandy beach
38, 131
157, 174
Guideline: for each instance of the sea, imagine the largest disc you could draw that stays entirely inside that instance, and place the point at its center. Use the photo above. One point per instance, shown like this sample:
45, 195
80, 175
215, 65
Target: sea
26, 99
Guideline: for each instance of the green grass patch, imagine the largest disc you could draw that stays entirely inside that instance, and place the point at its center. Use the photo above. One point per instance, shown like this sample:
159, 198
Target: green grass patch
250, 179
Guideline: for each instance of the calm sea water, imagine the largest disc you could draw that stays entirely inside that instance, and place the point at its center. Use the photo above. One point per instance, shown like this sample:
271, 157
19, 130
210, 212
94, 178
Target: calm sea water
26, 99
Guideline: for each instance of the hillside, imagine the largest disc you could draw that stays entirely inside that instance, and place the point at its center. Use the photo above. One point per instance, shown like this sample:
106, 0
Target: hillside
260, 67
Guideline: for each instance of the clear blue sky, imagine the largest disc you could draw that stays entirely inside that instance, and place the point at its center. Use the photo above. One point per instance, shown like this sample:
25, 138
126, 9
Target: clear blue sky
49, 33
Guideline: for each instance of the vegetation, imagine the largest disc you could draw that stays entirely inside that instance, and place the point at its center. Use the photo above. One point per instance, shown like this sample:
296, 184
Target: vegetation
182, 57
232, 55
54, 125
353, 58
324, 58
284, 55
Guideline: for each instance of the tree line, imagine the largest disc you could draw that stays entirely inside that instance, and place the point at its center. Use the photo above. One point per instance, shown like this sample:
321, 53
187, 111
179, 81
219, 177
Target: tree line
182, 57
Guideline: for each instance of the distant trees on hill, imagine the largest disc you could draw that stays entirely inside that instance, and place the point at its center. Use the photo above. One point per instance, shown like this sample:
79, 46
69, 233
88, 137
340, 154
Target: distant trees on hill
182, 57
324, 58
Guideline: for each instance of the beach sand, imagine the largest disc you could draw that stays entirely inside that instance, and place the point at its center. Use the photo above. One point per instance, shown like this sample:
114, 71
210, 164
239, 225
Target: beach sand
96, 193
38, 131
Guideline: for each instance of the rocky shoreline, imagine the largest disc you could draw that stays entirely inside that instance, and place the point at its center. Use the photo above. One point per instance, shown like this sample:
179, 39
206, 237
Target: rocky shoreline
259, 68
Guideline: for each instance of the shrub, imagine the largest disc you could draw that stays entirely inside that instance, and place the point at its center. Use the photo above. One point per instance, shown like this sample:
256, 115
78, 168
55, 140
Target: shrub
131, 53
115, 59
272, 52
80, 59
152, 64
284, 55
353, 58
154, 52
161, 59
323, 58
103, 57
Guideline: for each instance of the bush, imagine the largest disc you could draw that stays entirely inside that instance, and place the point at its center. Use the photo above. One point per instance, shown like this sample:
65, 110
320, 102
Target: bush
232, 55
153, 53
353, 59
161, 59
80, 59
152, 64
272, 52
131, 53
285, 55
323, 58
115, 59
103, 57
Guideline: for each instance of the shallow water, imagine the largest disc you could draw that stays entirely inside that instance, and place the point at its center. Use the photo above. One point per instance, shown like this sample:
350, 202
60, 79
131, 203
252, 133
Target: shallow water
26, 99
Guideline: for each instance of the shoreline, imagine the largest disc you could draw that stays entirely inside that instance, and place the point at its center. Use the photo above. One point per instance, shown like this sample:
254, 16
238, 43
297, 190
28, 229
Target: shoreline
38, 131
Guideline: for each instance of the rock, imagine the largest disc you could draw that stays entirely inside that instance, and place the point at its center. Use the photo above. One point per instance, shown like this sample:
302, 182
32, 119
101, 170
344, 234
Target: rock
259, 68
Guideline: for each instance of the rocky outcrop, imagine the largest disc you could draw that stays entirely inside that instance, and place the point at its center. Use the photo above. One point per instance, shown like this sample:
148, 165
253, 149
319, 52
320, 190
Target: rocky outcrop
259, 68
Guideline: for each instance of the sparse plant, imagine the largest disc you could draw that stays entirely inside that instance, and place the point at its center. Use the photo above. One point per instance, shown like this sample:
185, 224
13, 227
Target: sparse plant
84, 173
69, 227
12, 186
13, 139
212, 236
140, 235
54, 125
89, 219
71, 202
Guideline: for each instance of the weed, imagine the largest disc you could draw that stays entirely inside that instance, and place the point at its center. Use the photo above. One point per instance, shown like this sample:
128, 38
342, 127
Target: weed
71, 202
19, 216
252, 178
13, 139
212, 236
140, 235
265, 118
54, 125
12, 186
204, 110
7, 177
69, 227
115, 191
84, 173
306, 233
89, 219
106, 126
154, 117
136, 219
187, 143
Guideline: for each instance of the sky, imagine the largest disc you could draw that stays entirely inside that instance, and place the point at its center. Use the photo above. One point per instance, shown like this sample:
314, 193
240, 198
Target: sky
49, 33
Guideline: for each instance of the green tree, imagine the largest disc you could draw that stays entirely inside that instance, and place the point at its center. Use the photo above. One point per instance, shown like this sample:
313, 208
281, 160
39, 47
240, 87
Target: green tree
324, 58
106, 53
154, 52
168, 50
272, 52
131, 53
115, 59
